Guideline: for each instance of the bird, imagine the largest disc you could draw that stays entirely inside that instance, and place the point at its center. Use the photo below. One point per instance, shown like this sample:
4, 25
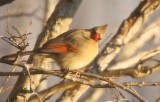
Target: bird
73, 49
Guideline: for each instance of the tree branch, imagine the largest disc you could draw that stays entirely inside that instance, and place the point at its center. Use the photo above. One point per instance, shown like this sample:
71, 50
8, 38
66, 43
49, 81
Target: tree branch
4, 2
128, 28
58, 23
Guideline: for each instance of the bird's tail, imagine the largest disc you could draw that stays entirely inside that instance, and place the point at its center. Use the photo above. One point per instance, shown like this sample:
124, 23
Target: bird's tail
14, 56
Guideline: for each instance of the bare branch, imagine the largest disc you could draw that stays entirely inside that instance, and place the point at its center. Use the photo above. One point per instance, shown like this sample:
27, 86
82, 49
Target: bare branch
127, 29
21, 14
58, 23
141, 84
92, 80
4, 2
136, 43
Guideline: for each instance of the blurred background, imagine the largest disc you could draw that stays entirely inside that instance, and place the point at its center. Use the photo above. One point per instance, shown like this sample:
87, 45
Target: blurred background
90, 13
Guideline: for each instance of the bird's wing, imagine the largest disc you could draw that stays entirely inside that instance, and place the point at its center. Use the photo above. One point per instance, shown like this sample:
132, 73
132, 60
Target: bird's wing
60, 44
59, 48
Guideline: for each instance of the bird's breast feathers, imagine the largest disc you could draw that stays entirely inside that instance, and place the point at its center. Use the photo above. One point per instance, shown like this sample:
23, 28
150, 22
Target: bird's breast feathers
81, 57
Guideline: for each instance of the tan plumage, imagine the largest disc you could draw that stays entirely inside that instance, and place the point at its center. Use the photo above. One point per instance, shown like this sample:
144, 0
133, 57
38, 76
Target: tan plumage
80, 50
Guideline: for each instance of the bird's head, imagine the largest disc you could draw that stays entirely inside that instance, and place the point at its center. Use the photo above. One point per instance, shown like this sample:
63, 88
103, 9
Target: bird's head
97, 33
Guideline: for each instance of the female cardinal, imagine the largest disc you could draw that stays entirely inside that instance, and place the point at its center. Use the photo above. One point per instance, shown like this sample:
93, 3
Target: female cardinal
73, 49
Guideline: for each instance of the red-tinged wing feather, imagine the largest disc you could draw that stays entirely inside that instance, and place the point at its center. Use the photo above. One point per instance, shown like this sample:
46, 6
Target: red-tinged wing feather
59, 48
